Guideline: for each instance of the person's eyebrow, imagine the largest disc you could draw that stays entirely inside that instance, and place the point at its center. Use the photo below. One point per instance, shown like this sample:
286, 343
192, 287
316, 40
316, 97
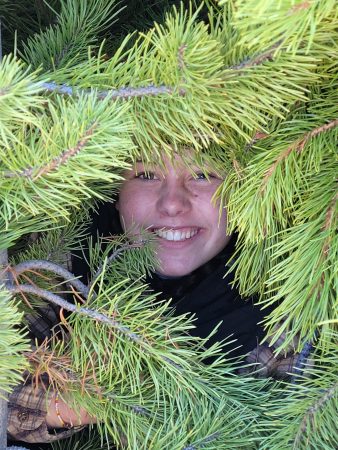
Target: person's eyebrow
146, 164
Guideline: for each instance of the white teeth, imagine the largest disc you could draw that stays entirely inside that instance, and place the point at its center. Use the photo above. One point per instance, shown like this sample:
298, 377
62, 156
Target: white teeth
176, 235
169, 235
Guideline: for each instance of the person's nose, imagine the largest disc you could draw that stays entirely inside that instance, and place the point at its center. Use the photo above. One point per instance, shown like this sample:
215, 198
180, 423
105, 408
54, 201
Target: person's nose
174, 198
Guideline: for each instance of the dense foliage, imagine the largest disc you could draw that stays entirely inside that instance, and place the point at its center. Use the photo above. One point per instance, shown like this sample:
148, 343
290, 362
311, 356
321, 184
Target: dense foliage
252, 87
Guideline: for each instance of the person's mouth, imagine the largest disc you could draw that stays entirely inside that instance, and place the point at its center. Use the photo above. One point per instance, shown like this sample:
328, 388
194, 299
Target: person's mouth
181, 234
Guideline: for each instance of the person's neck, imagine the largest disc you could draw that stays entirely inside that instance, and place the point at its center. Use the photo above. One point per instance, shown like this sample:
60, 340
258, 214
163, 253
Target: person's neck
167, 277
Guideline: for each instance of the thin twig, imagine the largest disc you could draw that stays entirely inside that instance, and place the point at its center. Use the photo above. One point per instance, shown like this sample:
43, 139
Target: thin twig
62, 53
322, 129
139, 410
330, 212
237, 167
13, 279
325, 249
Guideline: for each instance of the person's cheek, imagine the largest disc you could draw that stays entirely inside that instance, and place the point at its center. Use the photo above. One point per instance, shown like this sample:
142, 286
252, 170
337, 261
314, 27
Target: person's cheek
123, 207
126, 214
135, 211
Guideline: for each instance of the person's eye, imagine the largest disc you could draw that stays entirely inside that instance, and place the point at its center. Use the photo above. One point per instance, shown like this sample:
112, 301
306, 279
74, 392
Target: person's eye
204, 176
146, 176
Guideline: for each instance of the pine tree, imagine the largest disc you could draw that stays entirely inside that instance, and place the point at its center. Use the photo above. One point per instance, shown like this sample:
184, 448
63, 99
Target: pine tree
251, 86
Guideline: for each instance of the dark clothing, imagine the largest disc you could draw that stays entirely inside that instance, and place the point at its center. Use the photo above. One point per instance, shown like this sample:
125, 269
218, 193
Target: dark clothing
208, 293
213, 301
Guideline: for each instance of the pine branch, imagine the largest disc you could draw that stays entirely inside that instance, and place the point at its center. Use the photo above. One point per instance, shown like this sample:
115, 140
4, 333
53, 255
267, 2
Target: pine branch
59, 301
308, 419
55, 245
326, 246
302, 26
77, 26
55, 163
57, 269
62, 376
256, 60
20, 100
94, 172
324, 254
296, 146
303, 415
113, 257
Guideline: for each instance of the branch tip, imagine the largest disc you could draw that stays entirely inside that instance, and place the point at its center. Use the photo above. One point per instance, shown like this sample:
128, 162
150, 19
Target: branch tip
296, 146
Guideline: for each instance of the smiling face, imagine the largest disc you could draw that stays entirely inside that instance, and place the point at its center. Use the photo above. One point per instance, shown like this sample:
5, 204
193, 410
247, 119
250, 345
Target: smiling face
176, 204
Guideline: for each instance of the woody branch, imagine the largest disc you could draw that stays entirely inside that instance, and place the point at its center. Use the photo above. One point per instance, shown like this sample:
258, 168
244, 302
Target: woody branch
114, 94
62, 303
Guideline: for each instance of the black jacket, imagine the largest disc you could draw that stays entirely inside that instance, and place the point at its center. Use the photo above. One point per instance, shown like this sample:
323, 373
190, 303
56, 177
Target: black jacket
213, 301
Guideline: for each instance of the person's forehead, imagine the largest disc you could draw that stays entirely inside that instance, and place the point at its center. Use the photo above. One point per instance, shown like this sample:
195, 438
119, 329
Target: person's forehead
188, 160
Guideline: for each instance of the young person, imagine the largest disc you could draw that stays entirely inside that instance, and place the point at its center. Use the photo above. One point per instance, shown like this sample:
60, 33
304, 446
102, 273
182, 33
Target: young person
176, 204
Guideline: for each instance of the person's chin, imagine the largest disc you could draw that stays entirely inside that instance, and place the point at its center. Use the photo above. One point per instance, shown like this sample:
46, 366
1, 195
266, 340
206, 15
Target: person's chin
176, 270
